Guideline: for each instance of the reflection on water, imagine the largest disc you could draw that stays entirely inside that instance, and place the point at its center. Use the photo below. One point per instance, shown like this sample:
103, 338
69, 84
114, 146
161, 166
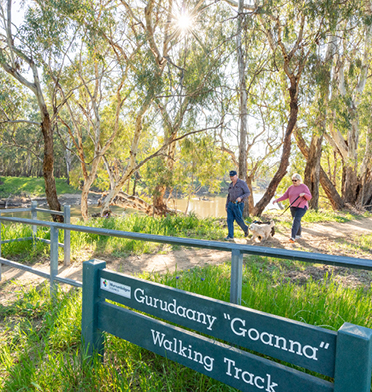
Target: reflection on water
210, 206
214, 206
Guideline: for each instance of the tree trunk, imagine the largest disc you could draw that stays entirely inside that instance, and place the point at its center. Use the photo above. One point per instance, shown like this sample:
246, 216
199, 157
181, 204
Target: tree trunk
250, 205
327, 185
242, 159
48, 166
84, 200
350, 185
158, 199
312, 169
282, 170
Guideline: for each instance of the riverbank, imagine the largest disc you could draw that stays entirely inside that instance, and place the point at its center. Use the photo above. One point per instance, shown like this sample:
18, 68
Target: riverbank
64, 199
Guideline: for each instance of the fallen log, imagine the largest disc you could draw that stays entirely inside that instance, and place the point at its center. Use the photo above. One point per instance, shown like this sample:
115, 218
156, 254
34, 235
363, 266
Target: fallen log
124, 200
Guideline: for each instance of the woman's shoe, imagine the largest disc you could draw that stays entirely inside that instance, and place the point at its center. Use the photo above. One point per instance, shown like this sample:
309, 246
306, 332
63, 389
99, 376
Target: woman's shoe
292, 240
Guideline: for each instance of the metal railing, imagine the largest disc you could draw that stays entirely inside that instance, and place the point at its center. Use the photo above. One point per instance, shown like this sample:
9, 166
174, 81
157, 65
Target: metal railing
66, 213
237, 251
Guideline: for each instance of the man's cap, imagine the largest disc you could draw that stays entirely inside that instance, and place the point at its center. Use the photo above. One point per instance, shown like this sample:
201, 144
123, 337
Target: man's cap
233, 173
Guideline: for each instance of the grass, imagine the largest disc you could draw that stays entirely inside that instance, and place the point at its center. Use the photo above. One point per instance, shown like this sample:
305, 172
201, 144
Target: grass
40, 338
189, 226
313, 216
30, 186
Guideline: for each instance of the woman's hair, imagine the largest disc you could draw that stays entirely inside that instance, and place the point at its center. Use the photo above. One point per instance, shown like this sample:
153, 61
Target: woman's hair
296, 176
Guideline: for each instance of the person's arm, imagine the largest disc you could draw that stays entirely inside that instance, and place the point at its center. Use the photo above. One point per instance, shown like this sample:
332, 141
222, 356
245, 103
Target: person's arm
245, 190
306, 195
281, 198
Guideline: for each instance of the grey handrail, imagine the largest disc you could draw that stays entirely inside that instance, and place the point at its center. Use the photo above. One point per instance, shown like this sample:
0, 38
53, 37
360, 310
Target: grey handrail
237, 250
342, 261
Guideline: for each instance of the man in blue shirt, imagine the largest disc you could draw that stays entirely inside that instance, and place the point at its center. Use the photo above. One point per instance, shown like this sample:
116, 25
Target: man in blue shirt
238, 192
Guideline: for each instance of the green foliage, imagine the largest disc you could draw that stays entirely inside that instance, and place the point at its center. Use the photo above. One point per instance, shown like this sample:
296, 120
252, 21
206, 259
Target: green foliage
30, 186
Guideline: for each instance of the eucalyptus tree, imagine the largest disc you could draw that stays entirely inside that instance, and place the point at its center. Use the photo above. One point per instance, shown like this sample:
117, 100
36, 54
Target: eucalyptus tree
171, 82
20, 58
317, 96
143, 24
351, 73
337, 115
195, 65
88, 92
365, 148
292, 29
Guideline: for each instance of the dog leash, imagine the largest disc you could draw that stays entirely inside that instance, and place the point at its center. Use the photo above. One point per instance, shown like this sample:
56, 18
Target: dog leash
290, 205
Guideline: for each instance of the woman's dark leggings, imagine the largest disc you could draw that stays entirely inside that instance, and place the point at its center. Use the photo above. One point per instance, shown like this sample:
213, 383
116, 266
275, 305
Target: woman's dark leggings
297, 214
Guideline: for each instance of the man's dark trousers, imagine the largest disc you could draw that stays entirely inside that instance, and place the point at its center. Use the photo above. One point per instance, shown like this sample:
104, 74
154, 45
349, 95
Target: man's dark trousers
235, 212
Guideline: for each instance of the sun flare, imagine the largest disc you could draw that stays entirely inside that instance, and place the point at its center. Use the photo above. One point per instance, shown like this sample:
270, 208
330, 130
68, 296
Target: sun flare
184, 21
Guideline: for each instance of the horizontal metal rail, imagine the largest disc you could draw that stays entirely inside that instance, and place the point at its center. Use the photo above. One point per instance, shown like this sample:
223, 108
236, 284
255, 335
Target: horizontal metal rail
35, 271
320, 258
17, 240
49, 211
24, 268
32, 238
7, 210
47, 242
71, 282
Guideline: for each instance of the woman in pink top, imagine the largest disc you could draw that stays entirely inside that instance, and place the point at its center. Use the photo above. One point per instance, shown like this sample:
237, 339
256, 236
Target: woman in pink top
298, 195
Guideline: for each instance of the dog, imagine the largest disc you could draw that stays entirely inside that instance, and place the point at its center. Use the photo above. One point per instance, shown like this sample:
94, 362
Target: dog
262, 230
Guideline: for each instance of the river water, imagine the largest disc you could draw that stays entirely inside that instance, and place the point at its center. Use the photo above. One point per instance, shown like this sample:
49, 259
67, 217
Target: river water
213, 206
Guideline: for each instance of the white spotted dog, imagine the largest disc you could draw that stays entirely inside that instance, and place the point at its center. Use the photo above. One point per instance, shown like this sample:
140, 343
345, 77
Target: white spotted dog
262, 230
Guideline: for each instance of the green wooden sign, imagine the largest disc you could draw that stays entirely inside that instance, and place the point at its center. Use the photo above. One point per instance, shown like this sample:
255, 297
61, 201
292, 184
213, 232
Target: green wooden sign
232, 366
307, 346
344, 355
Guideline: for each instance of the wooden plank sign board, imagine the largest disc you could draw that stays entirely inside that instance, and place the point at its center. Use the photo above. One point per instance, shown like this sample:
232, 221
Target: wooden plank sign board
296, 343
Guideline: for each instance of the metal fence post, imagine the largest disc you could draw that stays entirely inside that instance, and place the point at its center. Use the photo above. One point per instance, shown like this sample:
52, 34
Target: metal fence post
67, 236
236, 277
92, 338
53, 259
34, 217
353, 359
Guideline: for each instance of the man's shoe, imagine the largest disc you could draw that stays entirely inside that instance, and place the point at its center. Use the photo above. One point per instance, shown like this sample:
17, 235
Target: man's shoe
246, 234
298, 237
228, 238
292, 240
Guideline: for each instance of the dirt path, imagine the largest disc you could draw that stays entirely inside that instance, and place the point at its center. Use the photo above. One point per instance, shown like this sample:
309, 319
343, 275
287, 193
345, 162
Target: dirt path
330, 238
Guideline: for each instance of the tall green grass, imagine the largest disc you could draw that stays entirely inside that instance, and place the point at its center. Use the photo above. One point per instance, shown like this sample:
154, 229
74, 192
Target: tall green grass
186, 226
31, 186
189, 226
40, 338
